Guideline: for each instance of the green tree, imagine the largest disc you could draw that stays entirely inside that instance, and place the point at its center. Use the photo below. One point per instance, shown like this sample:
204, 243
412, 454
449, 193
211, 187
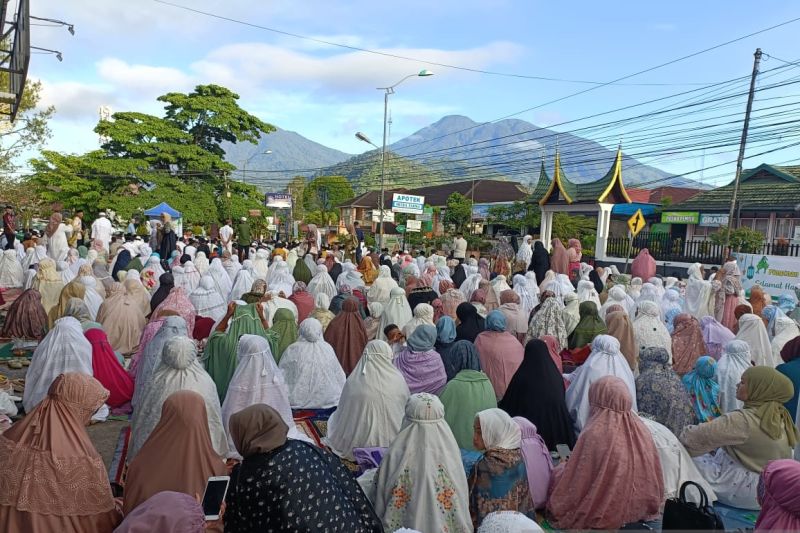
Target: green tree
583, 228
520, 216
28, 132
744, 240
322, 195
458, 211
149, 159
296, 188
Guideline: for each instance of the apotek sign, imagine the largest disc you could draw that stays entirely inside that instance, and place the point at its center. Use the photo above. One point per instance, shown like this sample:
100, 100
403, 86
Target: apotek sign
408, 203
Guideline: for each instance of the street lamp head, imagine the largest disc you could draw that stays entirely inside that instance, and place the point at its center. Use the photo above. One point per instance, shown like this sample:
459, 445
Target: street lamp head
361, 137
267, 152
425, 72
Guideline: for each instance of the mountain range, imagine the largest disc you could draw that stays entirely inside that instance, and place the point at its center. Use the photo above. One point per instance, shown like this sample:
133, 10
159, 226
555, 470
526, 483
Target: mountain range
453, 148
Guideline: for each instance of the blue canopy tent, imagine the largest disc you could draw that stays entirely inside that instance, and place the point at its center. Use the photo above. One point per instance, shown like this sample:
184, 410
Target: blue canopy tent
163, 207
154, 213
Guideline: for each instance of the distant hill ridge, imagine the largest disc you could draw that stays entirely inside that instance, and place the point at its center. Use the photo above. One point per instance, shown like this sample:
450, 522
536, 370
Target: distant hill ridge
508, 149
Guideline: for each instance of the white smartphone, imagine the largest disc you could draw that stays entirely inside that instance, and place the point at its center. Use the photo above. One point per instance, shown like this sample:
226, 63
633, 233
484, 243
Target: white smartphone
216, 489
564, 451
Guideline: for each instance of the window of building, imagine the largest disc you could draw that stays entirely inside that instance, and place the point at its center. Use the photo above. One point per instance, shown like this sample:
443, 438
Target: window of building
784, 227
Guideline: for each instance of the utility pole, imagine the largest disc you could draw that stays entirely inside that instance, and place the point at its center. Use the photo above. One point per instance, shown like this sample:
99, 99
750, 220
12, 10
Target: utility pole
742, 145
389, 90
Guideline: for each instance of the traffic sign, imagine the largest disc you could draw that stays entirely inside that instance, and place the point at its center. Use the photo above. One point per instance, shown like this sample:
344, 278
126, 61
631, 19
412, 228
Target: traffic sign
636, 223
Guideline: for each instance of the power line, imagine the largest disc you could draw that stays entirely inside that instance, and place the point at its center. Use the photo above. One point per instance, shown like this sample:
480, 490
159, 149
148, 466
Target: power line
402, 57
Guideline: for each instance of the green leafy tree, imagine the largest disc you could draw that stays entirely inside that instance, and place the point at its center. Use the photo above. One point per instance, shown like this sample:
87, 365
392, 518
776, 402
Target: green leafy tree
744, 240
148, 159
458, 211
520, 216
322, 195
296, 188
28, 132
583, 228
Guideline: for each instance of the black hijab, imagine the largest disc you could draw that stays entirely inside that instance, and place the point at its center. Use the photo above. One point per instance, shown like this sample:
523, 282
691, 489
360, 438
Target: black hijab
165, 284
594, 277
123, 258
335, 270
471, 323
540, 263
536, 392
459, 275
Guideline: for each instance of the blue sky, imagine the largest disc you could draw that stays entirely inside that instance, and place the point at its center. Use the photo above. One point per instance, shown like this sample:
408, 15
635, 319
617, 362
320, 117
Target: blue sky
127, 52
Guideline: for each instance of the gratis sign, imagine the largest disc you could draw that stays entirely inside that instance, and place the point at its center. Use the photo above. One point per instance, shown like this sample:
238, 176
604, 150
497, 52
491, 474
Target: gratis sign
408, 203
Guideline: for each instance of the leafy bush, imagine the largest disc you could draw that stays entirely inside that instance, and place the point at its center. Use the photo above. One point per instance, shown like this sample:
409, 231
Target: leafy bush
744, 240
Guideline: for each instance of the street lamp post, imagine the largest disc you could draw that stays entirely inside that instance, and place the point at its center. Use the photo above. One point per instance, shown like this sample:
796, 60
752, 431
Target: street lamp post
387, 91
244, 166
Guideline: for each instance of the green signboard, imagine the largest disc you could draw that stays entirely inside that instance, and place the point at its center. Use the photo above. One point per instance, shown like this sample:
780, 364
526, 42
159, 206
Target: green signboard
680, 217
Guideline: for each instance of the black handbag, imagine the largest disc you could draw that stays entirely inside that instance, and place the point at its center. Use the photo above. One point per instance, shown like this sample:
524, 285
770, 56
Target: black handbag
682, 514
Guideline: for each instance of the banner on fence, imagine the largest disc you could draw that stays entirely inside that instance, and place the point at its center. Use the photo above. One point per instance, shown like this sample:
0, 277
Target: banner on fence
776, 274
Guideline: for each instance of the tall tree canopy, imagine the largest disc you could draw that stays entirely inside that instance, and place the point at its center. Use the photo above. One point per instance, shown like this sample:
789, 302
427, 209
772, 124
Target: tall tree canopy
147, 159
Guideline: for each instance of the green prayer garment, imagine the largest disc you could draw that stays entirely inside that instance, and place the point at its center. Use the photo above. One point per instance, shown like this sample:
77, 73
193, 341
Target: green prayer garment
135, 264
465, 396
589, 326
243, 231
221, 350
284, 328
301, 272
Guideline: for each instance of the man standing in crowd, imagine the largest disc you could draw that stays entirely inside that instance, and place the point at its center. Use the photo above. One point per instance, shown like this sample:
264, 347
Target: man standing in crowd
226, 235
460, 247
9, 227
243, 232
101, 230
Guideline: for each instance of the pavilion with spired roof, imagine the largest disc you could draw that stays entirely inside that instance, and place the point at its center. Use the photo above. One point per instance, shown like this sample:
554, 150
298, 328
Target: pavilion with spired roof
560, 195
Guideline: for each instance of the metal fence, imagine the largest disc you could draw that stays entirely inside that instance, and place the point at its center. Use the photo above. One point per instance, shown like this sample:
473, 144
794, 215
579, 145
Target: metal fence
664, 247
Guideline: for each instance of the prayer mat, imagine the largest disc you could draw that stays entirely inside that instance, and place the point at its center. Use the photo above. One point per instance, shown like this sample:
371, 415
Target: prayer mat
313, 423
119, 467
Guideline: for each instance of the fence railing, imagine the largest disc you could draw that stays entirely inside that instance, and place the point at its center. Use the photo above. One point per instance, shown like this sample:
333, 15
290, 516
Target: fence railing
666, 248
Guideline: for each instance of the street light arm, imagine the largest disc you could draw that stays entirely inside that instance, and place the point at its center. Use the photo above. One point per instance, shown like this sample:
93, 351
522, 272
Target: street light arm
390, 89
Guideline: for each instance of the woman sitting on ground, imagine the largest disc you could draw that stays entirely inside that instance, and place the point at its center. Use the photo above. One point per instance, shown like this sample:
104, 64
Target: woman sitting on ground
499, 481
745, 440
614, 475
316, 492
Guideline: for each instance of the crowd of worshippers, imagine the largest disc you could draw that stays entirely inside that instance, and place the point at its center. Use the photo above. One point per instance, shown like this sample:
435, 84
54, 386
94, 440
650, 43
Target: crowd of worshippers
455, 386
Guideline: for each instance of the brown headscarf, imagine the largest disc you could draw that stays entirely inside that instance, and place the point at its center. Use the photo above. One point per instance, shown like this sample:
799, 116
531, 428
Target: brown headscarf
791, 350
53, 479
71, 290
490, 302
559, 260
52, 226
738, 312
178, 454
257, 429
620, 327
26, 318
687, 343
347, 335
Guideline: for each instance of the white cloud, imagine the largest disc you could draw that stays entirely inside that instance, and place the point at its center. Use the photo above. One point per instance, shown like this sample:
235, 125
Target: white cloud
142, 78
76, 100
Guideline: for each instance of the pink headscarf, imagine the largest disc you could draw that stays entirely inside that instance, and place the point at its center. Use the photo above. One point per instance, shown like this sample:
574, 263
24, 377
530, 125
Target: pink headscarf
614, 475
438, 310
555, 352
559, 260
483, 268
428, 275
537, 459
180, 303
780, 500
643, 266
450, 297
687, 343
